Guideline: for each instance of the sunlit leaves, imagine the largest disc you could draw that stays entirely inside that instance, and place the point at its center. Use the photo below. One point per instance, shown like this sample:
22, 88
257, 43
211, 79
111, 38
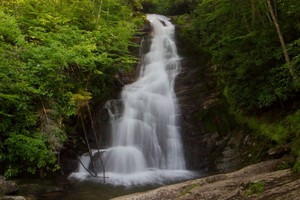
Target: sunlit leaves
30, 150
51, 51
9, 30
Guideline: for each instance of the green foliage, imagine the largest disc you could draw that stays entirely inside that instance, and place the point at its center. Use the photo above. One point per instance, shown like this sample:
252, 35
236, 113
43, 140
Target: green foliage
168, 7
274, 128
242, 41
239, 39
255, 188
286, 164
9, 30
51, 51
149, 6
294, 127
296, 167
28, 150
279, 130
186, 33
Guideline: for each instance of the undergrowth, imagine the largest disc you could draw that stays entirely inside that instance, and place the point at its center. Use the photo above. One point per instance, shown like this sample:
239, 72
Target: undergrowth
279, 130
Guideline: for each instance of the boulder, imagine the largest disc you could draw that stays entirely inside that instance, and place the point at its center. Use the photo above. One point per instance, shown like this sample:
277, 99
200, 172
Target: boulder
7, 187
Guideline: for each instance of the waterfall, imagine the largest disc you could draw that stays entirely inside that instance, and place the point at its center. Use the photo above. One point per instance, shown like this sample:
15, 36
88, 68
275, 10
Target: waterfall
146, 143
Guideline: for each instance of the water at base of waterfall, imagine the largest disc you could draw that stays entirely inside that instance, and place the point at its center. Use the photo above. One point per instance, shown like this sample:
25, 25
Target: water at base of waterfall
153, 177
146, 144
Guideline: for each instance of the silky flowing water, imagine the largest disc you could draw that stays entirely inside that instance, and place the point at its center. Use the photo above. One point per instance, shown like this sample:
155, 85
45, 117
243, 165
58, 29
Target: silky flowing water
146, 147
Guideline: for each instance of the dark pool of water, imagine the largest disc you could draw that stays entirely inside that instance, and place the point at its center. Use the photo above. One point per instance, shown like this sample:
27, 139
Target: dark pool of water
92, 191
64, 189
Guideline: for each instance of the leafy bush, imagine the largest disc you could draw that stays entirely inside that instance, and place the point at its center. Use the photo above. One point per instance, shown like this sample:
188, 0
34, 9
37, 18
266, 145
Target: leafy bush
296, 167
50, 51
9, 30
29, 151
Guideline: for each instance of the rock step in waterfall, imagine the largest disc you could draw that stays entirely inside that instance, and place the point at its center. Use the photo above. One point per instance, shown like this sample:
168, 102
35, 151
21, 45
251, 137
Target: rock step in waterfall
146, 145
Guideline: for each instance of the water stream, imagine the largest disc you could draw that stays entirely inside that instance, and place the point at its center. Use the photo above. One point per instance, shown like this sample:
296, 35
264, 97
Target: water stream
146, 144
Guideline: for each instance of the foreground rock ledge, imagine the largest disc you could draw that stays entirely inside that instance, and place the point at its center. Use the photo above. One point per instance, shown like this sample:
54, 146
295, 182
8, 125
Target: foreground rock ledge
274, 185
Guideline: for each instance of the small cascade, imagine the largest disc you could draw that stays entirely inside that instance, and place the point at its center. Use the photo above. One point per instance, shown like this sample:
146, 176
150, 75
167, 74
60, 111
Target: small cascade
146, 144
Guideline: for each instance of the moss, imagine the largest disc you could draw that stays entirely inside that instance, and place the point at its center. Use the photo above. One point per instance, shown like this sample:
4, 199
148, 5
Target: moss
187, 190
296, 167
287, 163
208, 123
255, 188
280, 129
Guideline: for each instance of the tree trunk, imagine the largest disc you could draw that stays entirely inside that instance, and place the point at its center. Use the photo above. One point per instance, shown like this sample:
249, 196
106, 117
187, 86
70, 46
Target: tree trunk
99, 12
283, 46
253, 12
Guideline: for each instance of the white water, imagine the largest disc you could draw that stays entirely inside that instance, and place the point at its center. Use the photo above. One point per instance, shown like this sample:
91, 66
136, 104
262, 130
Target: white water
146, 145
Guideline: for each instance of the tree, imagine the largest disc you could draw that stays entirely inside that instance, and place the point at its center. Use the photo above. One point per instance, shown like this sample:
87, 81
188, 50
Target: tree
51, 51
241, 39
282, 42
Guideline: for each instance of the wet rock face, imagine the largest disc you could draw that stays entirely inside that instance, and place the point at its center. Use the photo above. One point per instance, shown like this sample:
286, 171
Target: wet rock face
124, 77
212, 139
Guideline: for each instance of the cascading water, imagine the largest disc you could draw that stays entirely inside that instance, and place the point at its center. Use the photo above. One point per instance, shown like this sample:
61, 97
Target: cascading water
146, 145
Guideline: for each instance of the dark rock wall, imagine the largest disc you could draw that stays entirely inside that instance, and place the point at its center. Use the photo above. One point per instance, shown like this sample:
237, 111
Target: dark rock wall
213, 140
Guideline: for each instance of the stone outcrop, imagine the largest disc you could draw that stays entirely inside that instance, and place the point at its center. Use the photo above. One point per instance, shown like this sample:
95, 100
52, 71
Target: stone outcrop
259, 181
